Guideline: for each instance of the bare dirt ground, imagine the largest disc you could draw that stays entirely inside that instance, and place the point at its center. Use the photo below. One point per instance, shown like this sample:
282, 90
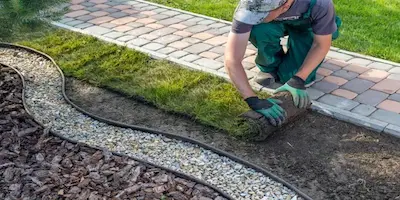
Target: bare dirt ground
36, 165
324, 157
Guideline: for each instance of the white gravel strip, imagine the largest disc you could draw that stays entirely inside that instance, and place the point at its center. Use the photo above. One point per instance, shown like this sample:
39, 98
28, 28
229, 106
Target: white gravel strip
45, 100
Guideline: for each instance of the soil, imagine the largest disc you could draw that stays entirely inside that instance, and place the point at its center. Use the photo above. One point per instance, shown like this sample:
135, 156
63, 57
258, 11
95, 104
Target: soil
36, 165
324, 157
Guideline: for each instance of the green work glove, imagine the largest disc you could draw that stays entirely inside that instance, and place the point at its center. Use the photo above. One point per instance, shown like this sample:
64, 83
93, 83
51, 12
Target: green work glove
296, 87
269, 108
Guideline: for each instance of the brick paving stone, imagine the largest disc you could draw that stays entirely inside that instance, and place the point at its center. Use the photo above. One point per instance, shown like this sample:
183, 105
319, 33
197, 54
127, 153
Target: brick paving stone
358, 85
395, 97
218, 49
318, 77
179, 45
74, 22
330, 66
118, 15
101, 20
212, 64
348, 75
338, 56
325, 87
216, 32
371, 97
216, 25
164, 31
66, 19
131, 3
188, 23
390, 105
84, 25
170, 13
336, 80
153, 46
138, 42
217, 40
183, 33
98, 1
168, 39
374, 75
209, 55
249, 52
220, 59
344, 93
314, 94
88, 4
380, 66
130, 11
356, 68
197, 28
338, 102
364, 110
126, 38
250, 59
102, 6
202, 36
159, 10
184, 16
135, 24
146, 21
99, 13
111, 10
114, 35
191, 40
77, 1
190, 58
123, 28
150, 7
246, 65
155, 26
122, 7
324, 72
206, 22
149, 37
85, 18
178, 26
124, 20
97, 30
196, 19
388, 86
226, 29
395, 70
76, 7
393, 130
159, 17
166, 50
337, 62
255, 69
140, 31
148, 13
76, 13
249, 74
169, 21
92, 9
360, 61
178, 54
386, 116
394, 77
112, 3
139, 16
108, 25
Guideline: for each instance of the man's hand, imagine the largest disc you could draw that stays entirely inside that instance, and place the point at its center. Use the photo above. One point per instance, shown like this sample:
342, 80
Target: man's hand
299, 93
269, 108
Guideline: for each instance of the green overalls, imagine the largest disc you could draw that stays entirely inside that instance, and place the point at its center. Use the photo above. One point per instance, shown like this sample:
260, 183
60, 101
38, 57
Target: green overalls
271, 57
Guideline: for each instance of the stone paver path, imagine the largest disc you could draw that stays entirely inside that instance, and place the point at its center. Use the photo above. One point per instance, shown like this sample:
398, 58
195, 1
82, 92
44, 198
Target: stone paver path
351, 87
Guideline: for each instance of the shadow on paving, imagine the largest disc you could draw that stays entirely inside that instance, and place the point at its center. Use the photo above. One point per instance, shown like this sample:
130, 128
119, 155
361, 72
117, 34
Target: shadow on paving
324, 157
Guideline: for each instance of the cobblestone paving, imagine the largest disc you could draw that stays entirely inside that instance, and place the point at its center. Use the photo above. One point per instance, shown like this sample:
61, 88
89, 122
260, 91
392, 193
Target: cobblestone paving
359, 89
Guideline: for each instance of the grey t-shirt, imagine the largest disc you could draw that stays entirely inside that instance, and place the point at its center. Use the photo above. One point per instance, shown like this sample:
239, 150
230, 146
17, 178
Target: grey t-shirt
322, 16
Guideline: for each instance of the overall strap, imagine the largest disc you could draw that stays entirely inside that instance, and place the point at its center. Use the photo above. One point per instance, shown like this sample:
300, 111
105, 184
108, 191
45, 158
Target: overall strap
308, 13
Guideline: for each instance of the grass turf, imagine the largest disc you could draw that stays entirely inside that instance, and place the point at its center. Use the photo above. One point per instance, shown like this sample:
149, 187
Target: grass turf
370, 27
206, 98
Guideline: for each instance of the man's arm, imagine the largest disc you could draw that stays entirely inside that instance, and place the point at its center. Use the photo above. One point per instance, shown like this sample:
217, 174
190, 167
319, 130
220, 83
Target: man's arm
234, 53
317, 53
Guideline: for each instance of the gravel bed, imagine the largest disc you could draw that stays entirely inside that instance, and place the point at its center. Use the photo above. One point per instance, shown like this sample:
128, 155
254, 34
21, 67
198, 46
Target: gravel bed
45, 100
36, 165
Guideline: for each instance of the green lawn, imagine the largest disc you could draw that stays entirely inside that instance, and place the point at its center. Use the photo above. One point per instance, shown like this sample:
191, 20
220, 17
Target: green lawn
370, 27
209, 99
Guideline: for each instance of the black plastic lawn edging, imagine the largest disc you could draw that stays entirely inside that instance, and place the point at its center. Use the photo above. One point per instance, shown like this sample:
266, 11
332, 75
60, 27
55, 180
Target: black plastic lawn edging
152, 131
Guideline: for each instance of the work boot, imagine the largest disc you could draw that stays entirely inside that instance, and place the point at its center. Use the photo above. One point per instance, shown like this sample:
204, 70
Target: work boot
266, 79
